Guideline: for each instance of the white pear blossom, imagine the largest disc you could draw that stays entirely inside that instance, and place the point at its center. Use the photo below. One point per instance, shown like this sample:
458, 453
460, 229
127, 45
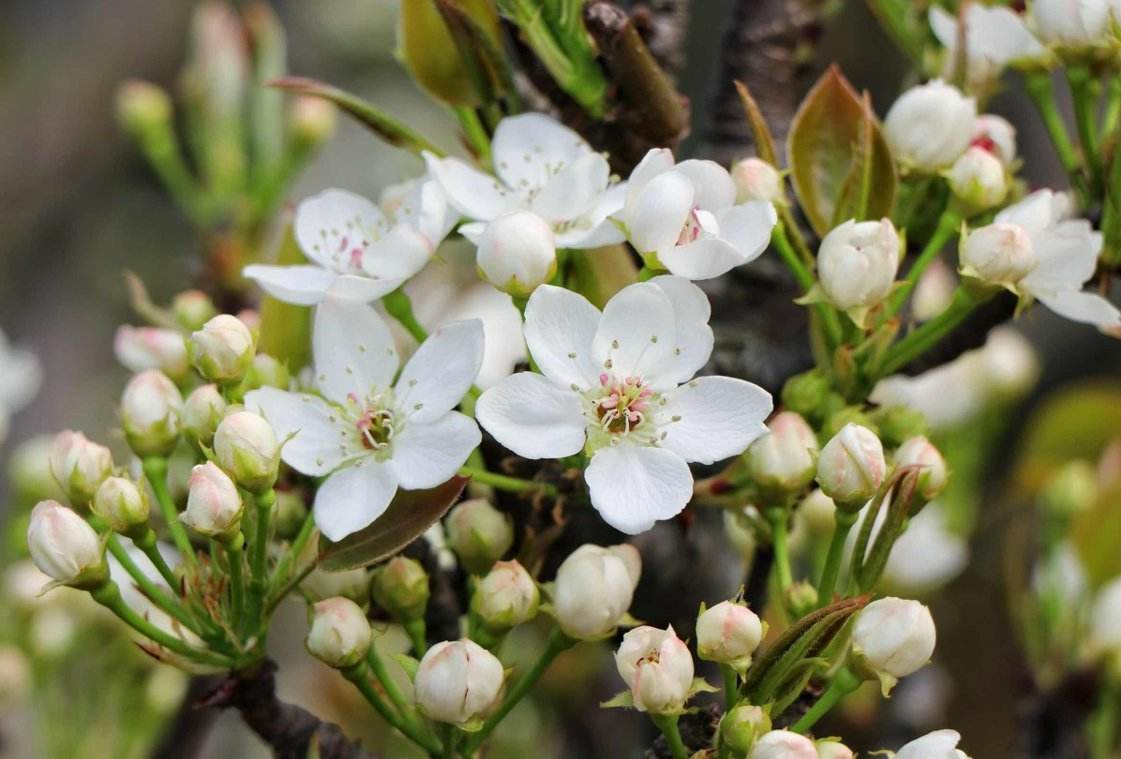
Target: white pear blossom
1078, 23
1035, 250
619, 386
940, 744
541, 166
857, 264
996, 135
368, 434
20, 377
1105, 620
995, 36
355, 249
657, 667
684, 217
930, 125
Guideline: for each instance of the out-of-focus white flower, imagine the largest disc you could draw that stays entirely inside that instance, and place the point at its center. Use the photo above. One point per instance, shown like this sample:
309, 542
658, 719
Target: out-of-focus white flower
540, 166
214, 506
783, 744
140, 348
340, 633
729, 633
612, 385
594, 588
927, 555
851, 467
1105, 620
857, 263
1038, 252
1080, 23
818, 512
1061, 575
20, 377
150, 407
757, 180
657, 667
978, 179
15, 674
933, 292
79, 466
994, 38
930, 125
223, 349
458, 682
64, 547
368, 433
684, 217
355, 250
784, 459
920, 452
995, 134
246, 446
517, 253
941, 744
893, 637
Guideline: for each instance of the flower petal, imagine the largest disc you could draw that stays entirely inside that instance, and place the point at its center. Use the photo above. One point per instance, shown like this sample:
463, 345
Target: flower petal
597, 227
637, 335
400, 254
632, 487
574, 191
425, 208
361, 288
691, 312
441, 371
354, 497
658, 213
655, 162
703, 259
353, 350
300, 285
748, 227
473, 193
714, 187
533, 417
335, 226
713, 418
559, 328
530, 148
426, 455
1081, 306
314, 442
1067, 254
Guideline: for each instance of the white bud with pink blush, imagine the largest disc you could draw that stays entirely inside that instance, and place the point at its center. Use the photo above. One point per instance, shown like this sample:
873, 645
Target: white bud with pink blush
657, 667
458, 682
851, 467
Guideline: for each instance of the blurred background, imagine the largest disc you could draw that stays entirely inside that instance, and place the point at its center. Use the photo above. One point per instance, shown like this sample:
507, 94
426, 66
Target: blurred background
80, 206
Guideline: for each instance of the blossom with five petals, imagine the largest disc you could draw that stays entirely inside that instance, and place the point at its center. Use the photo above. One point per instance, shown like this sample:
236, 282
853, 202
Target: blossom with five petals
366, 433
619, 385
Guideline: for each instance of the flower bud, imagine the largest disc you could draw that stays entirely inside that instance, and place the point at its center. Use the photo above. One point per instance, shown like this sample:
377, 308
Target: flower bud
851, 467
857, 263
506, 597
79, 466
898, 424
351, 583
141, 348
458, 682
202, 413
783, 744
657, 667
978, 179
142, 106
728, 633
214, 506
1076, 24
266, 371
65, 548
801, 597
192, 309
517, 253
920, 452
757, 180
122, 505
941, 744
742, 726
806, 393
223, 349
892, 638
246, 447
291, 512
150, 408
594, 589
340, 633
401, 588
999, 254
818, 512
783, 460
833, 749
929, 126
312, 121
996, 135
479, 534
1105, 621
842, 415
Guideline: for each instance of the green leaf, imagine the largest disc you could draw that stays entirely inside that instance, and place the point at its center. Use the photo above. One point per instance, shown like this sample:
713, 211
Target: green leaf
409, 515
285, 332
1095, 537
391, 130
840, 164
760, 132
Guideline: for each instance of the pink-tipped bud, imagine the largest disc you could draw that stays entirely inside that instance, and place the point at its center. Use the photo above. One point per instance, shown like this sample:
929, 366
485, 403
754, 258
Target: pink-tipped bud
150, 408
851, 467
65, 548
340, 634
214, 507
79, 465
458, 682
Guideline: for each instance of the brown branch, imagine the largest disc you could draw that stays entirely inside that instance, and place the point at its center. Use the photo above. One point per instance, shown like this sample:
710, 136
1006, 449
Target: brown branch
290, 731
664, 25
188, 730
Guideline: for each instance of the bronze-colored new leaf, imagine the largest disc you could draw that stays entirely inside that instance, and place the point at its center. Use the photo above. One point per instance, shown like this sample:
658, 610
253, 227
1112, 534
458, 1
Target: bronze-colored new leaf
840, 164
409, 515
760, 132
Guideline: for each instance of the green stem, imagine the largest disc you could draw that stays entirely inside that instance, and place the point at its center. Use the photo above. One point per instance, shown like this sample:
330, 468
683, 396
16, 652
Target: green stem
502, 482
778, 517
167, 603
155, 469
844, 522
1112, 115
475, 133
844, 683
400, 307
146, 542
794, 234
948, 225
920, 340
417, 630
1083, 89
259, 576
109, 596
161, 147
805, 278
557, 643
646, 273
389, 685
1103, 724
667, 723
731, 686
1042, 93
359, 675
237, 581
284, 567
